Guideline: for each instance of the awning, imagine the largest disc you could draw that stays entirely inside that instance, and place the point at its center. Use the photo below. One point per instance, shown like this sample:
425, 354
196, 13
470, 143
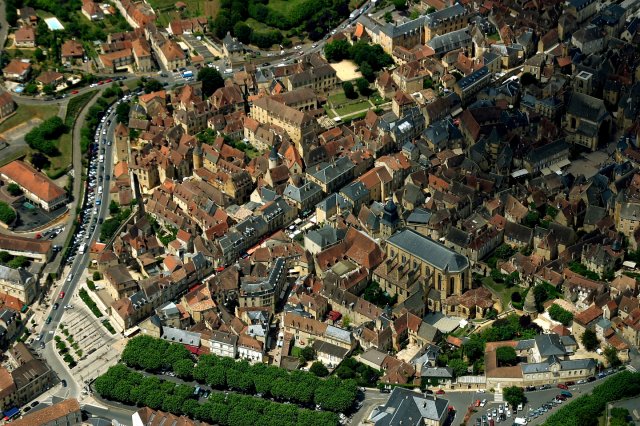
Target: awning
545, 171
519, 173
563, 163
11, 412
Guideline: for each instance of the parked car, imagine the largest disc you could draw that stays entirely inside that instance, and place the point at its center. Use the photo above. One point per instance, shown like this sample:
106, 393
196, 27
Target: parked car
440, 392
562, 386
55, 306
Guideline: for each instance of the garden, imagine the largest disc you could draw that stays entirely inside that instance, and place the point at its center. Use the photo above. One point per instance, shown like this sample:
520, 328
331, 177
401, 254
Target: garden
67, 352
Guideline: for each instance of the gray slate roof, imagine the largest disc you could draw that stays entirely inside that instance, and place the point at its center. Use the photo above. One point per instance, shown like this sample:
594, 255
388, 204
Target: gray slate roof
549, 344
407, 407
429, 251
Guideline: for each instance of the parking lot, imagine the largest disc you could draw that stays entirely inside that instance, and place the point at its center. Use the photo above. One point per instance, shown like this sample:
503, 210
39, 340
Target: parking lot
199, 47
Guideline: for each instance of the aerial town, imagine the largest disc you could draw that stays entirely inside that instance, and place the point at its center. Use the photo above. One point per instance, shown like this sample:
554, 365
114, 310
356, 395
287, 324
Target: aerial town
395, 212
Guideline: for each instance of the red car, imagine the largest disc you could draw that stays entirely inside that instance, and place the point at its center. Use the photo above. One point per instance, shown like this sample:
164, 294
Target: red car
108, 81
61, 294
38, 236
477, 403
563, 386
74, 92
571, 383
440, 392
100, 83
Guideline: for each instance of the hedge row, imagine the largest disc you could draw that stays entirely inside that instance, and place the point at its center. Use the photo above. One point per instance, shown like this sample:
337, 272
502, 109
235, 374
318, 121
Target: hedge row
90, 303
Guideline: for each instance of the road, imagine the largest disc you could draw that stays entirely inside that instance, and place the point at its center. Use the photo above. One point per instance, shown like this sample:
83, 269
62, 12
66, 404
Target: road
73, 274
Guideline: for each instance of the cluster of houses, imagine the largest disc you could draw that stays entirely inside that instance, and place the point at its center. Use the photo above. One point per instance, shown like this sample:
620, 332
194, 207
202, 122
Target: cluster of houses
236, 252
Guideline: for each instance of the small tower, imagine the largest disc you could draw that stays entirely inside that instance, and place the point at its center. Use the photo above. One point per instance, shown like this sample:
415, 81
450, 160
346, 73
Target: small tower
274, 159
530, 303
197, 156
390, 219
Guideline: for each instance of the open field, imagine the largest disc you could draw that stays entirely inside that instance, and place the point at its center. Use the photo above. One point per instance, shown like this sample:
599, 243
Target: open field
166, 11
28, 112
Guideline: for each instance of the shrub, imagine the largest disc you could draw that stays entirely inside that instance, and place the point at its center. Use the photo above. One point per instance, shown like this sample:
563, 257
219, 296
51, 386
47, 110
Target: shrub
7, 214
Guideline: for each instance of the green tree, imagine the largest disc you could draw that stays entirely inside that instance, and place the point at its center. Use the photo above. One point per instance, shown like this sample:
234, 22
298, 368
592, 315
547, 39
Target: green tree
308, 354
39, 54
459, 367
7, 214
243, 32
363, 86
183, 368
97, 276
612, 356
122, 112
514, 395
346, 321
31, 89
319, 369
337, 50
152, 85
14, 189
590, 340
349, 91
506, 356
49, 89
5, 257
540, 294
473, 348
114, 208
505, 251
400, 4
388, 17
18, 262
39, 161
211, 80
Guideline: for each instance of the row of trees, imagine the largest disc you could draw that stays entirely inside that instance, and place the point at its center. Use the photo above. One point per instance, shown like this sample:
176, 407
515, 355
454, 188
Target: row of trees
148, 353
369, 58
586, 410
44, 137
130, 387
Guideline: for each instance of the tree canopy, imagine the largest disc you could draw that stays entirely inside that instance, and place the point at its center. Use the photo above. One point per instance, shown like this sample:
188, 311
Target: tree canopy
560, 314
590, 340
506, 356
514, 395
211, 80
7, 214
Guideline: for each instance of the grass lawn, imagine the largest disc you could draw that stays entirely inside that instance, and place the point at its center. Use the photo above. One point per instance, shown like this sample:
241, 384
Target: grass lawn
353, 108
296, 351
27, 112
499, 289
329, 112
339, 98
